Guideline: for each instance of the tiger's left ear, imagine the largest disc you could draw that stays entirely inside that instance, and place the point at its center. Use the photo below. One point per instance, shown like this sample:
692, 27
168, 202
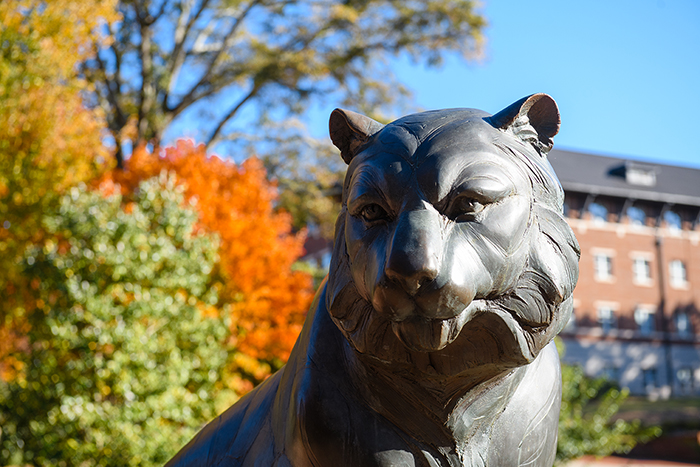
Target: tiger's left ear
534, 119
350, 130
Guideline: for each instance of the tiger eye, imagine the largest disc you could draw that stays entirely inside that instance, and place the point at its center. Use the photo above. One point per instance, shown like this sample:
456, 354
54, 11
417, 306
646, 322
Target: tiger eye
465, 206
373, 212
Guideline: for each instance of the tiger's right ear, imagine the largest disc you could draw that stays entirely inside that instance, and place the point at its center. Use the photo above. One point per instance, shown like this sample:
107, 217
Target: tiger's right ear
350, 130
534, 119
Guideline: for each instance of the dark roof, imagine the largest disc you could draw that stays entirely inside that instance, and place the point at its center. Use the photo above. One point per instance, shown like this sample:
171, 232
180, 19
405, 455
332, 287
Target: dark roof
602, 175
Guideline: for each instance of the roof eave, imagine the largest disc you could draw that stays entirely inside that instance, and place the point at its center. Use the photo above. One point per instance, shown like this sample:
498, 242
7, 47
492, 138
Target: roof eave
631, 193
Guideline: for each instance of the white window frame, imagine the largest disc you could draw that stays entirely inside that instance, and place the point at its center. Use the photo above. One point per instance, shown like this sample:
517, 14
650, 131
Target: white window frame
603, 266
678, 274
682, 323
634, 221
607, 321
598, 219
645, 317
641, 269
685, 384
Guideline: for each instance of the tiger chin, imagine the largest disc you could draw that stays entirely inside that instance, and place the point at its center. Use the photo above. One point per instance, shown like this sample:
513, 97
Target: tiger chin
429, 343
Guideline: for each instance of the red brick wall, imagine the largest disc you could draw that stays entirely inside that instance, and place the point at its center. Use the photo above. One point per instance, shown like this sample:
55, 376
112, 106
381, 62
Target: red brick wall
622, 240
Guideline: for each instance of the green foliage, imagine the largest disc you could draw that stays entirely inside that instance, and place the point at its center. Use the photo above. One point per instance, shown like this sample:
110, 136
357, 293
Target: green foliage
586, 421
123, 361
48, 140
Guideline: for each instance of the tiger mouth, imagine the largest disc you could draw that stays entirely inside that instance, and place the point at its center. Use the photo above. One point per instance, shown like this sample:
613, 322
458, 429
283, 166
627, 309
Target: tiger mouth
431, 334
422, 334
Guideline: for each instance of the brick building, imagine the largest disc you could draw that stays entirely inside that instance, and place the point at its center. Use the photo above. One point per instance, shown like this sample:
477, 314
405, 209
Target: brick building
636, 306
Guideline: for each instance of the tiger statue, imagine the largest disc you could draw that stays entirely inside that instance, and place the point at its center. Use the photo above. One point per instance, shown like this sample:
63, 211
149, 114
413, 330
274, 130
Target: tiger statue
429, 342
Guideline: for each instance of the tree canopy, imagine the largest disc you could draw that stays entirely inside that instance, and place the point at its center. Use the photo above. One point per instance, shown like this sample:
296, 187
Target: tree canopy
48, 140
126, 349
232, 65
265, 300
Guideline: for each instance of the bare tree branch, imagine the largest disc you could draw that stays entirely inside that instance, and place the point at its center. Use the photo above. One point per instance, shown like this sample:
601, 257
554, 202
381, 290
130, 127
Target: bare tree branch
161, 10
144, 16
111, 92
213, 137
191, 95
116, 78
312, 48
210, 91
147, 91
182, 31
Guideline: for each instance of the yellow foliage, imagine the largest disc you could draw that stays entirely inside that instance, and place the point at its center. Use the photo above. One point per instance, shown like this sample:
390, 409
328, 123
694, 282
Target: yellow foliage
48, 139
67, 30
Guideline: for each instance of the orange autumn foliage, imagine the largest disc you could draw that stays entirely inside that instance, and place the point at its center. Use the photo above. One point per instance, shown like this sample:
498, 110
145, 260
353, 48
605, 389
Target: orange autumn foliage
267, 301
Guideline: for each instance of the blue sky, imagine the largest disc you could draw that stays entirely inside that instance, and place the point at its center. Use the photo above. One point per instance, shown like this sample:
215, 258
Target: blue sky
625, 74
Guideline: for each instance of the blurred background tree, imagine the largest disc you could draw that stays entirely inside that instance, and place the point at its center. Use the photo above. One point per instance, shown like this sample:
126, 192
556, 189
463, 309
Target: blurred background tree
265, 300
48, 139
126, 350
239, 74
259, 62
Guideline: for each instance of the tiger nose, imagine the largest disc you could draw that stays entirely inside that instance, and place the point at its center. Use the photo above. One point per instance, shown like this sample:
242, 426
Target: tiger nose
414, 254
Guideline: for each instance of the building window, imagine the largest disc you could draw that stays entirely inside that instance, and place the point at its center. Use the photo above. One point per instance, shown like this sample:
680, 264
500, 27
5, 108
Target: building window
677, 274
639, 175
602, 266
598, 212
606, 318
636, 215
641, 270
673, 220
649, 378
683, 325
644, 317
685, 379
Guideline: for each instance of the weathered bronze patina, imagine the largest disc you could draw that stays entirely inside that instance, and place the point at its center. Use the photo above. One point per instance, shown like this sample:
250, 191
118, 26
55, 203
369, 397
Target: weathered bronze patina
429, 342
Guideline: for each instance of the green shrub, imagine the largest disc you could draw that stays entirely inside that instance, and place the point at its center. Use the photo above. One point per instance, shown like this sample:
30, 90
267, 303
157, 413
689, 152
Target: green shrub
587, 424
121, 362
